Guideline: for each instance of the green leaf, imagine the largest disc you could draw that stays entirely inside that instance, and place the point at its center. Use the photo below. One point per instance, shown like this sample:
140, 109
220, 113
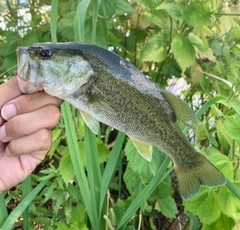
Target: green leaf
196, 41
133, 181
223, 222
66, 169
223, 163
65, 26
229, 203
236, 105
174, 10
204, 205
123, 7
159, 18
167, 206
183, 51
197, 14
232, 126
140, 165
154, 50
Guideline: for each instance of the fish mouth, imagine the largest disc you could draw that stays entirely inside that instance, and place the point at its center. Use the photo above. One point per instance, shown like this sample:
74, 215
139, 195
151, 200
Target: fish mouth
27, 72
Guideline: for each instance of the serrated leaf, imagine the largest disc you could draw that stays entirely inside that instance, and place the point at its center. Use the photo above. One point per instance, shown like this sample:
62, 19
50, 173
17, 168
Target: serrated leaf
66, 168
167, 206
223, 223
133, 181
159, 18
236, 105
204, 205
140, 165
154, 50
197, 14
174, 10
65, 26
232, 126
123, 7
183, 51
228, 203
196, 41
208, 31
223, 163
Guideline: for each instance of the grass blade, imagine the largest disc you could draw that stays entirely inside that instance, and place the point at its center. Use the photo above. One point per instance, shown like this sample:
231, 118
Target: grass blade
14, 215
94, 173
145, 193
233, 188
3, 208
79, 21
111, 167
94, 19
76, 160
26, 188
53, 22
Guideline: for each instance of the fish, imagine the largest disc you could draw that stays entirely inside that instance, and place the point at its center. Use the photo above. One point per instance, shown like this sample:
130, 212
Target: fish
106, 88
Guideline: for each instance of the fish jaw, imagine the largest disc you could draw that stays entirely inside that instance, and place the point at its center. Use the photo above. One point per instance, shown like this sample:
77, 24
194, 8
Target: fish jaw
26, 73
59, 75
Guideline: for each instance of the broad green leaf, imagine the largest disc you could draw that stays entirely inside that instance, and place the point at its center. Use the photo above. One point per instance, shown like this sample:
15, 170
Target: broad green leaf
167, 206
183, 51
159, 18
133, 181
236, 105
66, 169
196, 41
174, 10
142, 166
30, 38
120, 209
123, 7
232, 126
204, 205
223, 163
209, 32
229, 203
223, 223
154, 50
197, 14
65, 26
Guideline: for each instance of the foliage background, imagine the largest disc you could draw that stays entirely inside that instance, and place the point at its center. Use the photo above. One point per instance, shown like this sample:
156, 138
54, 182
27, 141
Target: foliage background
165, 40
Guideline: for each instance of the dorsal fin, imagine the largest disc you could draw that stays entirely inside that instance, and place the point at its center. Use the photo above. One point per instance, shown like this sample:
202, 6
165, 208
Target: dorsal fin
182, 111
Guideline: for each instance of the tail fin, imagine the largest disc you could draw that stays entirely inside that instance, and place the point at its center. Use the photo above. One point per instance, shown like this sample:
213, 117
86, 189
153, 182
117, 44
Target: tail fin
191, 178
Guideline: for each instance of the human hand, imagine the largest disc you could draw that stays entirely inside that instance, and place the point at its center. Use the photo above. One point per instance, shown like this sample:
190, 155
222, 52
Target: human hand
25, 136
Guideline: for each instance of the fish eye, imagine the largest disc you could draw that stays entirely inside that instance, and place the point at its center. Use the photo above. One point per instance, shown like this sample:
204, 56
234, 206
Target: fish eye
44, 54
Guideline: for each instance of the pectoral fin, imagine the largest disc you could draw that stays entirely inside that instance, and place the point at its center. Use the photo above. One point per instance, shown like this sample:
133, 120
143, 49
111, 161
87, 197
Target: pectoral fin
145, 149
182, 111
90, 121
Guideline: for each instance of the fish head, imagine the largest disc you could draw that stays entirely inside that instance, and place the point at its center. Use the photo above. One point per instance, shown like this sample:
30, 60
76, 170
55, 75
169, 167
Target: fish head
57, 68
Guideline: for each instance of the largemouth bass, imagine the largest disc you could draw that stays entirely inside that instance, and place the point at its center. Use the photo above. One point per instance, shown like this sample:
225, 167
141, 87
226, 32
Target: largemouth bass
107, 88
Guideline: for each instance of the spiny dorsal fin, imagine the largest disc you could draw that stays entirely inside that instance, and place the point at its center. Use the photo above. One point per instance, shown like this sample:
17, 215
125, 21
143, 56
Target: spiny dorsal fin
145, 149
90, 121
182, 111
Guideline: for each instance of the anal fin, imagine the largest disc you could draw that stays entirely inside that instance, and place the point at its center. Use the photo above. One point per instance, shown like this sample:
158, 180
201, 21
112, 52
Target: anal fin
145, 149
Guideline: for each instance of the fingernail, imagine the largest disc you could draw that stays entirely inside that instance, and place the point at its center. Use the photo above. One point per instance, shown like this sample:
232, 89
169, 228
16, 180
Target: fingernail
2, 132
9, 111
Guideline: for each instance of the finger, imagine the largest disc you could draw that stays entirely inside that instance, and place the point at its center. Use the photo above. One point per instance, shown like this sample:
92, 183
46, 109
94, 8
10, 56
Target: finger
39, 141
28, 103
18, 168
8, 91
25, 124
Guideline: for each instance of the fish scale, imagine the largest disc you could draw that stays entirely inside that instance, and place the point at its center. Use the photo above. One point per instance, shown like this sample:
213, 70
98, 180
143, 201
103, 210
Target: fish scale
107, 88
